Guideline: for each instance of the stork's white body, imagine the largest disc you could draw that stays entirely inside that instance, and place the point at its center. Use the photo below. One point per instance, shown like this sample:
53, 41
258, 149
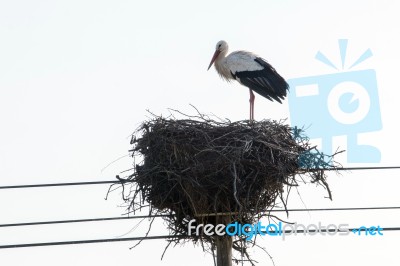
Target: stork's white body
251, 71
238, 61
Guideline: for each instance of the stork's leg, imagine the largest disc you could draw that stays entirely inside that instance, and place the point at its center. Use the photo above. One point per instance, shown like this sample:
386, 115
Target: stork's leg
252, 97
250, 104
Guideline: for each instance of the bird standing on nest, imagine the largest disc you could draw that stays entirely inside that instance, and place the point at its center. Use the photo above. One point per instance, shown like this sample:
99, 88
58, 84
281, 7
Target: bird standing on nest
251, 71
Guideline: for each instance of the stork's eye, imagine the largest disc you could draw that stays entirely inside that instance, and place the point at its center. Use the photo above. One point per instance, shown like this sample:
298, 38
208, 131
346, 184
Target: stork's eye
219, 45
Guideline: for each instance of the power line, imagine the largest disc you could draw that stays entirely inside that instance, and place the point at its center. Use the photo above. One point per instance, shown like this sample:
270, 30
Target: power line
63, 184
339, 209
93, 241
87, 241
159, 216
81, 220
364, 168
121, 181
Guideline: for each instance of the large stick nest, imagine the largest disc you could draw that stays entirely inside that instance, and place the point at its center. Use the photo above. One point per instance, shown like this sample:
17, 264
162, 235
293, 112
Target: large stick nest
197, 168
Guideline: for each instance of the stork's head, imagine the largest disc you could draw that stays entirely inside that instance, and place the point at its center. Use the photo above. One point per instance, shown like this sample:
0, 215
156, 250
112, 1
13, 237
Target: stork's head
220, 48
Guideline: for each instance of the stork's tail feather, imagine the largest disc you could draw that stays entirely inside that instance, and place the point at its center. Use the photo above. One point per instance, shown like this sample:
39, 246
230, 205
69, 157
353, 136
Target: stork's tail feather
276, 84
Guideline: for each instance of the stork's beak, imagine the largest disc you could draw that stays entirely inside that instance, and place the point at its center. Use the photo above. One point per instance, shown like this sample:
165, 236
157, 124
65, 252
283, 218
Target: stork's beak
216, 54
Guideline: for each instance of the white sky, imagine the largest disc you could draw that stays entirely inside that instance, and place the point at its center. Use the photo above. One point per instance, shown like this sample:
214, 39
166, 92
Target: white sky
76, 78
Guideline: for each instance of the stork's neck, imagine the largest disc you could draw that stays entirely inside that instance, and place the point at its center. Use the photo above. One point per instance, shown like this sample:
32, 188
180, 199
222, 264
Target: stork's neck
221, 56
222, 67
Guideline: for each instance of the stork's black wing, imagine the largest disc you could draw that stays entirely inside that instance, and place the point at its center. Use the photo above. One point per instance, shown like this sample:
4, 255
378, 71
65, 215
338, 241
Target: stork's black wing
266, 82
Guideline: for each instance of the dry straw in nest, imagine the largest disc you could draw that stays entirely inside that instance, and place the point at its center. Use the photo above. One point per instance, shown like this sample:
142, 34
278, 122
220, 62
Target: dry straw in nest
197, 168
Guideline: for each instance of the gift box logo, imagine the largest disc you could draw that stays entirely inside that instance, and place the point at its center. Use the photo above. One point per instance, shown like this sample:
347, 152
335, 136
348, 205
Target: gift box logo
342, 103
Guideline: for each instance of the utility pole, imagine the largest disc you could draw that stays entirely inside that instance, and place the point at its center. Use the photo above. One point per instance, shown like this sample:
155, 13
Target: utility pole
224, 250
224, 243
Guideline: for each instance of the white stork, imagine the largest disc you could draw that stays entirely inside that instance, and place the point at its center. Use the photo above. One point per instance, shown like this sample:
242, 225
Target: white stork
251, 71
